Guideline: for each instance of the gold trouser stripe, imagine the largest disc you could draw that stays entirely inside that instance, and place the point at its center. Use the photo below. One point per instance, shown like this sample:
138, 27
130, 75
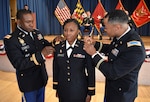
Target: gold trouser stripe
98, 64
23, 97
34, 59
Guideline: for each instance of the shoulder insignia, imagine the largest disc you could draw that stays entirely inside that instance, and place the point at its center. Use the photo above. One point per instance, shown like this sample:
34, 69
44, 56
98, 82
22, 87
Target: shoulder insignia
7, 36
57, 42
134, 43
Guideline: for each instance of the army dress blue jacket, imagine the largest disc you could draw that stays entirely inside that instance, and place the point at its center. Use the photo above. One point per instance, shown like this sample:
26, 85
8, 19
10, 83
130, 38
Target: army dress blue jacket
25, 55
73, 77
125, 57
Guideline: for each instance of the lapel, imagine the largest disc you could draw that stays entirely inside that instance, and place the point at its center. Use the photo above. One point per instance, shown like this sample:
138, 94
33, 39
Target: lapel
22, 37
75, 49
62, 49
122, 40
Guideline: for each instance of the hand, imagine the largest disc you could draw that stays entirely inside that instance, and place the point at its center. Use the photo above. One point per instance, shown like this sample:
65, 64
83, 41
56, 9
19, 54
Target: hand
88, 98
58, 39
89, 39
88, 46
47, 50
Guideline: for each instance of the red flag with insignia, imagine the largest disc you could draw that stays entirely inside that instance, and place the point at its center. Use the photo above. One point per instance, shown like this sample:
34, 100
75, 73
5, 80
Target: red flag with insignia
120, 6
98, 14
62, 12
141, 14
77, 14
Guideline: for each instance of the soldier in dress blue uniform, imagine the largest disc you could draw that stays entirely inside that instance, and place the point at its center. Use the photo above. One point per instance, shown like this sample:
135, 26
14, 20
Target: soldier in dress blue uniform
119, 61
26, 49
73, 72
87, 25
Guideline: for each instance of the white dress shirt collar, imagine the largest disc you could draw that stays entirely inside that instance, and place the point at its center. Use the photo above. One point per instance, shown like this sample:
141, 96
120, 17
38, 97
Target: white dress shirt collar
124, 33
22, 30
68, 45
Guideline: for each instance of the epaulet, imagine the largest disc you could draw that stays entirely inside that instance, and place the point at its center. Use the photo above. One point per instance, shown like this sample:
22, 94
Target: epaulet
8, 36
134, 43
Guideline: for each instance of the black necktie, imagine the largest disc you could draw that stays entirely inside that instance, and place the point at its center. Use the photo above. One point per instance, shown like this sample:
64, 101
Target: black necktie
69, 48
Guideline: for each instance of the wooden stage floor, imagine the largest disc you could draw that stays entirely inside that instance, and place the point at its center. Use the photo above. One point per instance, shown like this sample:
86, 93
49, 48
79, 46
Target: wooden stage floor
9, 91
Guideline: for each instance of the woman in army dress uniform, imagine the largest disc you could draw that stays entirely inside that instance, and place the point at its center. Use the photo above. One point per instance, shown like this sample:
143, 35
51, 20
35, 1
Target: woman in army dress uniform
73, 73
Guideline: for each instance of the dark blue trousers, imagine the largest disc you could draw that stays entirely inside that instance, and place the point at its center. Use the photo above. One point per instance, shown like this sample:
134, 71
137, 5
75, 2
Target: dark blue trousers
34, 96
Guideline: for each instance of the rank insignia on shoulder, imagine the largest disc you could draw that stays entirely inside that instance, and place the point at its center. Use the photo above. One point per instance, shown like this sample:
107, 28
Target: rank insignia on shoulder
115, 51
57, 42
7, 36
134, 43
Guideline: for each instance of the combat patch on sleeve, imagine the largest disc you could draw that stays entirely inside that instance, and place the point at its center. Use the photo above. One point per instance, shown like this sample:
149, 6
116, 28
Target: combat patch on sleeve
134, 43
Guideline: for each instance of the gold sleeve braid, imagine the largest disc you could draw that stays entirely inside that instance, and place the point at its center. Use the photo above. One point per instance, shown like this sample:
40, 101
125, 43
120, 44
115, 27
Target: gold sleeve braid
55, 83
33, 58
91, 88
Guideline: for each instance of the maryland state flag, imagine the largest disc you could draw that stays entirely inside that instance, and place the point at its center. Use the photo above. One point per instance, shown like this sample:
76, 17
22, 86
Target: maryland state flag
77, 14
141, 14
120, 6
98, 14
62, 12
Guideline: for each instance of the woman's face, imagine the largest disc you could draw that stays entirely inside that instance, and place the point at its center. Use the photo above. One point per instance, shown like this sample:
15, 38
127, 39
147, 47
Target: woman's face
71, 32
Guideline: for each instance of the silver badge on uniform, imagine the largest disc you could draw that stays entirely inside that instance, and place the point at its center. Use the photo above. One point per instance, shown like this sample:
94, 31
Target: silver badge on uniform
115, 51
60, 50
60, 55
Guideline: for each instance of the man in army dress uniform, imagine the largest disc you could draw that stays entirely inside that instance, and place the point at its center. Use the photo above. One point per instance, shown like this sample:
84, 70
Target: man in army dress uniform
87, 26
122, 60
26, 49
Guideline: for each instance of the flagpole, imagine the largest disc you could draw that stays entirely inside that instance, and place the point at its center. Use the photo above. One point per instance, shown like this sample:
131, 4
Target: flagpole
100, 34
